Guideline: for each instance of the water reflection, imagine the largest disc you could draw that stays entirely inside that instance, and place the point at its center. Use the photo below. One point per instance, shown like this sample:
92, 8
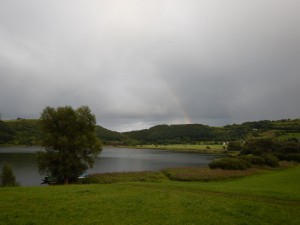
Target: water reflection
23, 161
24, 166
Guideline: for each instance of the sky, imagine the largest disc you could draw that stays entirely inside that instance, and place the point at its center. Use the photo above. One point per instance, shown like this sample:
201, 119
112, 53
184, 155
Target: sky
140, 63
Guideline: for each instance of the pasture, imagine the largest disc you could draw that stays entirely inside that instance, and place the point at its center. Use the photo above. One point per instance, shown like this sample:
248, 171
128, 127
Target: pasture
272, 197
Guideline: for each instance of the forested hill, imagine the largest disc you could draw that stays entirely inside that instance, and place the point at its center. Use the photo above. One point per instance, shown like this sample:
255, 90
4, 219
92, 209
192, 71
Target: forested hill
109, 137
174, 133
193, 133
19, 132
27, 132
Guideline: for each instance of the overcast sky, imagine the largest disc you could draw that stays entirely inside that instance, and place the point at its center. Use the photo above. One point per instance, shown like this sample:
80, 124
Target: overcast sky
139, 63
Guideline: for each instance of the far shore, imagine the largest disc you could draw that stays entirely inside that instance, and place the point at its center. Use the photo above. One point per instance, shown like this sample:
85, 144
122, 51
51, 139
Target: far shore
203, 149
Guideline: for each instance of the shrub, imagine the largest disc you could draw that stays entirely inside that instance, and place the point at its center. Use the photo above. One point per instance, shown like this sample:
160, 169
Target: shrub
271, 160
254, 160
7, 178
234, 146
230, 164
288, 156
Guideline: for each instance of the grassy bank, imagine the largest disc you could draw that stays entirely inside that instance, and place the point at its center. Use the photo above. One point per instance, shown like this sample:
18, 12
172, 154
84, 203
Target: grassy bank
213, 149
272, 197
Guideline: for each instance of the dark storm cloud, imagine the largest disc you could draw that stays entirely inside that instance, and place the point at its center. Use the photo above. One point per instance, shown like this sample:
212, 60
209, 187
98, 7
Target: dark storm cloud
142, 63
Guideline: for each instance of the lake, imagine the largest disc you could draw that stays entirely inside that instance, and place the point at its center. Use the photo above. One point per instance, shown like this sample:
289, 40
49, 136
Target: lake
24, 165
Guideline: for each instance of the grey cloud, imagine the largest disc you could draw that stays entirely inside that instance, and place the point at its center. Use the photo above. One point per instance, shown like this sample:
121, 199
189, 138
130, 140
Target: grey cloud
141, 63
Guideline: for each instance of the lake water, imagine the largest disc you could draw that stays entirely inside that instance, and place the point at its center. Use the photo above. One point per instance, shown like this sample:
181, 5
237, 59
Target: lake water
24, 165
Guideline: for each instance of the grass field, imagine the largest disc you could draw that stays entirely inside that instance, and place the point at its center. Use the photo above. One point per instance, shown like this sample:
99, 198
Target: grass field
289, 135
187, 147
267, 198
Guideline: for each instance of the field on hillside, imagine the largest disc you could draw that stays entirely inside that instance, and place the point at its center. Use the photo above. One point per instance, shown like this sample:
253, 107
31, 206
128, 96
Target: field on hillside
267, 198
187, 147
289, 135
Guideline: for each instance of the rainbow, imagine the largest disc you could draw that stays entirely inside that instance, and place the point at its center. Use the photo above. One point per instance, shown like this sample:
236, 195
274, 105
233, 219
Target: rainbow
177, 102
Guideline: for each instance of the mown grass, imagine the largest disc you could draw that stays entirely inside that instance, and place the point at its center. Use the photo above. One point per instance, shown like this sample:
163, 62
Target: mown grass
266, 198
186, 147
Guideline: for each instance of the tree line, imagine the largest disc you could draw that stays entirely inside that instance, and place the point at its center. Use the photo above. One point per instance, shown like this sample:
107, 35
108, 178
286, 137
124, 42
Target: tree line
28, 132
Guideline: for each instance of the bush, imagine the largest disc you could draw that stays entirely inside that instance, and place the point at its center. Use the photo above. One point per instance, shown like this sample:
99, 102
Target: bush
234, 146
289, 156
271, 160
254, 160
7, 178
230, 164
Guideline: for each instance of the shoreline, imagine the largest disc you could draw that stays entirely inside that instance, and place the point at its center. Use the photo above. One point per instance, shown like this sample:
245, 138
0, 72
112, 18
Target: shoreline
188, 148
179, 148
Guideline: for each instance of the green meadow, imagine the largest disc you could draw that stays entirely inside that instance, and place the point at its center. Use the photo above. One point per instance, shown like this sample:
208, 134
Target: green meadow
271, 197
289, 135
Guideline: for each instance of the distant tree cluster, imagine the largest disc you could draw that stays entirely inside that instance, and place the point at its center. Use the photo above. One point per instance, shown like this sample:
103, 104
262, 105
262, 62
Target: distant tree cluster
259, 152
283, 149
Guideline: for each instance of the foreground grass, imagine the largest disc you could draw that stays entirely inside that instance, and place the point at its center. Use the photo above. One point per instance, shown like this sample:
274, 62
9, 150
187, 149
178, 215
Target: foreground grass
267, 198
186, 147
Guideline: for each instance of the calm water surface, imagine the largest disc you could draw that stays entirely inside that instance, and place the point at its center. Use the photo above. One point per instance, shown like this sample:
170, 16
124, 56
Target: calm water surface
24, 165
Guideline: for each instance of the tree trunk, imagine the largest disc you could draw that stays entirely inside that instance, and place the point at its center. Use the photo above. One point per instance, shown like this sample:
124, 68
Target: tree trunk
66, 180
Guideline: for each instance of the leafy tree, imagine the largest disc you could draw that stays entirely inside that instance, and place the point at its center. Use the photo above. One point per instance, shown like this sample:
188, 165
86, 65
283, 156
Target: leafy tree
7, 176
70, 141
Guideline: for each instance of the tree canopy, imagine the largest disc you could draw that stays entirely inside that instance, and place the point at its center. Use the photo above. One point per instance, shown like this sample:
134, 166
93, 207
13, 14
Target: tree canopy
70, 141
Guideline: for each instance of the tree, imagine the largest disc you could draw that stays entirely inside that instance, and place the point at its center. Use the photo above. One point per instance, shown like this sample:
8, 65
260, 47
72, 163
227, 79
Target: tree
70, 141
7, 176
234, 146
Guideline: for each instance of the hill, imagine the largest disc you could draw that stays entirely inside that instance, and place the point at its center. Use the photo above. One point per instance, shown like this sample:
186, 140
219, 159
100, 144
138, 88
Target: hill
174, 134
109, 137
22, 132
27, 132
193, 133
